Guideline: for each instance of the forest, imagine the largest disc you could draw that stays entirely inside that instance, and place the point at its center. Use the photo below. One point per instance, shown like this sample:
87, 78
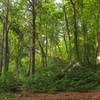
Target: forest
49, 46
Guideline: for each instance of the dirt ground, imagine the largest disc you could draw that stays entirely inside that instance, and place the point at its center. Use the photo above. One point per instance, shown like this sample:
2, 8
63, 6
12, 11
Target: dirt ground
59, 96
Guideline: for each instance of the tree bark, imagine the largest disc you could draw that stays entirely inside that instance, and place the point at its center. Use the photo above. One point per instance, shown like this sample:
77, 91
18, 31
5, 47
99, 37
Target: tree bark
97, 39
6, 54
46, 37
68, 46
32, 46
43, 55
85, 37
2, 48
75, 30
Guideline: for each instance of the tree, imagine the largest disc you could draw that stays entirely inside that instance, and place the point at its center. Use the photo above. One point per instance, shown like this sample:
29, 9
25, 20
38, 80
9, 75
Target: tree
75, 29
6, 31
32, 45
68, 32
2, 48
2, 18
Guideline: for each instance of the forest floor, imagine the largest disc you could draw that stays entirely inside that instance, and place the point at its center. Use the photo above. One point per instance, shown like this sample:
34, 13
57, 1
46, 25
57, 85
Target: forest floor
59, 96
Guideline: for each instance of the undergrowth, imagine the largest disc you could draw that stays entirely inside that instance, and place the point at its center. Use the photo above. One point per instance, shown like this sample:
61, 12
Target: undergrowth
46, 80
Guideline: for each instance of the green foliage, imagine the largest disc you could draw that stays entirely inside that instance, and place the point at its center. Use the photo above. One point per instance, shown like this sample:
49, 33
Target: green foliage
84, 80
46, 80
8, 95
40, 83
9, 82
55, 30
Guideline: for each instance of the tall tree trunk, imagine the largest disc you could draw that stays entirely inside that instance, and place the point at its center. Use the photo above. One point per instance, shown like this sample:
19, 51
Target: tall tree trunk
75, 30
17, 58
85, 54
19, 53
46, 37
6, 56
85, 37
2, 48
68, 46
32, 46
66, 20
43, 55
97, 39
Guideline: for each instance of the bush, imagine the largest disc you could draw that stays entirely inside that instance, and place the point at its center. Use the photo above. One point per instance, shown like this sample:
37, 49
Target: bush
8, 82
47, 81
83, 80
42, 82
44, 79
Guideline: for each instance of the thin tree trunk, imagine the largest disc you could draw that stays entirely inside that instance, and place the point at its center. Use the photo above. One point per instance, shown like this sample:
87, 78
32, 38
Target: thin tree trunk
43, 55
6, 56
19, 52
66, 20
65, 42
68, 46
85, 36
97, 39
17, 58
2, 48
85, 54
75, 30
32, 47
46, 38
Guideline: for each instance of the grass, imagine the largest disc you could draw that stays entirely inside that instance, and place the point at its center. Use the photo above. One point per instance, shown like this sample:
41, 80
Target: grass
8, 95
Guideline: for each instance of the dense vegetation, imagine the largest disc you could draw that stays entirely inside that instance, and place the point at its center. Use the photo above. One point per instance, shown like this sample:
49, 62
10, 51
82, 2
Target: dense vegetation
46, 46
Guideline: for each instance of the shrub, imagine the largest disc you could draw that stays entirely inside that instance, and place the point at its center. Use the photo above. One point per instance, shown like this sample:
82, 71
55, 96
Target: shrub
47, 81
8, 82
